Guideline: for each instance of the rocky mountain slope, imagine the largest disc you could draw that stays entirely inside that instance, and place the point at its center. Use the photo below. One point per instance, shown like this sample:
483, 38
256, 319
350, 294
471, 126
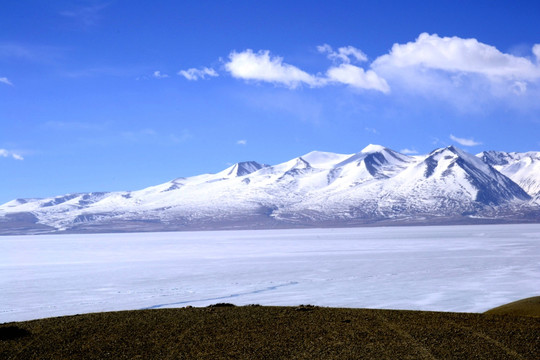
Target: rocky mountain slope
522, 168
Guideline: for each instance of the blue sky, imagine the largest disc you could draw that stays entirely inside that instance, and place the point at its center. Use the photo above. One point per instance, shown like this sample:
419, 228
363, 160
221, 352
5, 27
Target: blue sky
120, 95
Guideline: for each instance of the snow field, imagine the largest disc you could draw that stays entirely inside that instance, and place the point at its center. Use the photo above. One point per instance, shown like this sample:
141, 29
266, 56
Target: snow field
447, 268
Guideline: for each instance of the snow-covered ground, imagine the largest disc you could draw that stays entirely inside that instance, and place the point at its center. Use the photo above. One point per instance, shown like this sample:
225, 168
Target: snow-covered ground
450, 268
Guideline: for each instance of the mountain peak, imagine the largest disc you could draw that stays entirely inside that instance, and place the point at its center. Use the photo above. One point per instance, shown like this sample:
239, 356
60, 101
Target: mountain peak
324, 160
470, 172
450, 155
522, 168
450, 151
371, 148
242, 168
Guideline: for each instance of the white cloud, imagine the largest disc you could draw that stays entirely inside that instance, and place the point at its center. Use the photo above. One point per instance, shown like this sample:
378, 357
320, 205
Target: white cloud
196, 74
536, 52
241, 142
372, 130
357, 77
343, 54
6, 153
465, 73
261, 66
407, 151
158, 75
325, 48
454, 54
464, 142
5, 80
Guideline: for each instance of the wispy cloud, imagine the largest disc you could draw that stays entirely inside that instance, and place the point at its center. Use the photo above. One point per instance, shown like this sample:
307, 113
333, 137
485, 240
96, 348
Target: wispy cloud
139, 135
6, 81
371, 130
241, 142
87, 16
115, 71
151, 136
464, 142
194, 74
10, 154
408, 151
283, 102
184, 136
436, 141
343, 54
158, 75
73, 125
13, 50
29, 52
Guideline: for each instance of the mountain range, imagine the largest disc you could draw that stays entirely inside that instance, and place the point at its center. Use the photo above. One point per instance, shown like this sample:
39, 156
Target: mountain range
376, 186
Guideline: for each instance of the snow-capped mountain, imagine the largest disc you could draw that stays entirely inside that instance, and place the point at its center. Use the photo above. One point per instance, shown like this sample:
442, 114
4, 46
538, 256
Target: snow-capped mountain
375, 186
522, 168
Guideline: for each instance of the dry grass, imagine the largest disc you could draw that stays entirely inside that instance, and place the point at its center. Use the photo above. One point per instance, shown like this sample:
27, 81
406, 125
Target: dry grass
257, 332
525, 307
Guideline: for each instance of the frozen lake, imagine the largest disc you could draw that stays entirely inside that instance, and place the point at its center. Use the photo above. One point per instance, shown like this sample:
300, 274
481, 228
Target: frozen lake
446, 268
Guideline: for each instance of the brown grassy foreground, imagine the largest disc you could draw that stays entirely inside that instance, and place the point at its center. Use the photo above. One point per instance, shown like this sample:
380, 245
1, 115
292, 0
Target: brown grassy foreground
525, 307
257, 332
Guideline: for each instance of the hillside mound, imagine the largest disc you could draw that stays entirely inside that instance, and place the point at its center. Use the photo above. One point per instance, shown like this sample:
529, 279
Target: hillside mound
260, 332
524, 307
